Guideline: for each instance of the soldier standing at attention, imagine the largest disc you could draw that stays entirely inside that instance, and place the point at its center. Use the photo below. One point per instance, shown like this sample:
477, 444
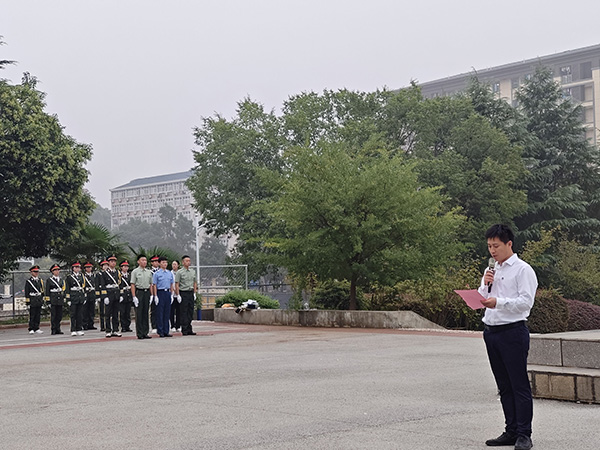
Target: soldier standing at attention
141, 280
99, 296
154, 298
55, 291
34, 296
75, 295
162, 282
110, 292
89, 305
125, 299
176, 305
186, 287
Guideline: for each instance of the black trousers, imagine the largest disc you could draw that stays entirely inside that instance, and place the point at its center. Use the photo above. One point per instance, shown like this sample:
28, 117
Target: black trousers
187, 311
125, 313
102, 309
76, 316
35, 313
141, 313
56, 312
111, 311
153, 315
176, 313
507, 350
89, 311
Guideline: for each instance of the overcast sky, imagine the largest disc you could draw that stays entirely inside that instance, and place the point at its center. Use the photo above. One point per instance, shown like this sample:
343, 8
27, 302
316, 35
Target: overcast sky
133, 77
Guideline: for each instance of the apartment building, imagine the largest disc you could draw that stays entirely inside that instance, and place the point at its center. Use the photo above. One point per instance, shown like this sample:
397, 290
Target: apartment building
143, 197
577, 71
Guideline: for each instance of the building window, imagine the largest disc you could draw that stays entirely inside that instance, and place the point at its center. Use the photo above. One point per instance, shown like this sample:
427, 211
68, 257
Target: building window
565, 74
514, 83
496, 88
585, 70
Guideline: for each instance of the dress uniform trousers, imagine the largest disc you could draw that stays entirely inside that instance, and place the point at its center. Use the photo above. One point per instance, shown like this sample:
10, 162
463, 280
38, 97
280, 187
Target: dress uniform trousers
176, 314
76, 315
35, 313
163, 310
125, 312
89, 310
102, 310
56, 312
112, 310
153, 315
187, 311
141, 312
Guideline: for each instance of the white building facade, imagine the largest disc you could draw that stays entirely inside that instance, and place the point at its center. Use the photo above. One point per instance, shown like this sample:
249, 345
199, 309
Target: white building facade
143, 197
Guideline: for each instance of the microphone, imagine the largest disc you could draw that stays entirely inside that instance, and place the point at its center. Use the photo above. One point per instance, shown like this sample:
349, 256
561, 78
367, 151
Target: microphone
491, 266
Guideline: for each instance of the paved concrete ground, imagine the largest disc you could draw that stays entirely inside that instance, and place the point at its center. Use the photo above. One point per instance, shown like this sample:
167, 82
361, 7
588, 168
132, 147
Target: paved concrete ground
259, 387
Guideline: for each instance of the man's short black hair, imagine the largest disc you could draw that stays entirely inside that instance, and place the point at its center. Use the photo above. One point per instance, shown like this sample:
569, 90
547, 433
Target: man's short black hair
502, 232
174, 261
140, 256
185, 256
162, 258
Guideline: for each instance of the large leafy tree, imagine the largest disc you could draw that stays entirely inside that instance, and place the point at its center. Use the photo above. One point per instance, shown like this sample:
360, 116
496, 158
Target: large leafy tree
42, 200
93, 243
360, 218
563, 181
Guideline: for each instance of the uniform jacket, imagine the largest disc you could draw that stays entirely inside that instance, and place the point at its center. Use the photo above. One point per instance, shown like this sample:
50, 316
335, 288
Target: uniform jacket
109, 280
125, 285
90, 286
55, 291
75, 288
34, 291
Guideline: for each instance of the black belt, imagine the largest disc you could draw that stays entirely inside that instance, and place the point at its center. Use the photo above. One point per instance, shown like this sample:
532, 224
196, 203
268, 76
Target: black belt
163, 290
142, 289
508, 326
180, 290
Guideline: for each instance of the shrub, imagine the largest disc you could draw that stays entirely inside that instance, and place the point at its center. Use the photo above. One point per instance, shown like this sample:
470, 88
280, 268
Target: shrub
549, 313
332, 294
583, 316
434, 298
578, 274
239, 296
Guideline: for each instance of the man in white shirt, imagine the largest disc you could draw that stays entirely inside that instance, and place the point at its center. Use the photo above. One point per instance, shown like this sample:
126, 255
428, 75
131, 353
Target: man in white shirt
509, 290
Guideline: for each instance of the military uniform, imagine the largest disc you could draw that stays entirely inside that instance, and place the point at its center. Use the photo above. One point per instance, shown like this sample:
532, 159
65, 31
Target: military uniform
89, 305
55, 294
125, 300
99, 296
34, 297
153, 304
185, 285
141, 279
75, 296
110, 281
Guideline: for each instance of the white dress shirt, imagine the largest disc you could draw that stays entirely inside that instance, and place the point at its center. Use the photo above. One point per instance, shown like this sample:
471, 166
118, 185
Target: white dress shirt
514, 287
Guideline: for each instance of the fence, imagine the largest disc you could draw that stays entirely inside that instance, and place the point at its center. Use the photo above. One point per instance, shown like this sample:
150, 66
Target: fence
216, 281
213, 282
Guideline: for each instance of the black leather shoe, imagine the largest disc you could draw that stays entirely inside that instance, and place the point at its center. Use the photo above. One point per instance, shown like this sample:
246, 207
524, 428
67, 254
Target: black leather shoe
523, 443
59, 332
168, 335
192, 334
147, 337
504, 439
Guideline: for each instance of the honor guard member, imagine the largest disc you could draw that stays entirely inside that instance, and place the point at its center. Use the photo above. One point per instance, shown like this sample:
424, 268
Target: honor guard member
55, 291
110, 282
126, 299
34, 297
186, 286
154, 298
89, 305
75, 295
99, 296
141, 280
176, 304
162, 283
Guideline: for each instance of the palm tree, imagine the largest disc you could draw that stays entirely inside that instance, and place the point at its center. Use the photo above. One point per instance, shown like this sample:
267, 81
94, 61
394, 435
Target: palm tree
94, 243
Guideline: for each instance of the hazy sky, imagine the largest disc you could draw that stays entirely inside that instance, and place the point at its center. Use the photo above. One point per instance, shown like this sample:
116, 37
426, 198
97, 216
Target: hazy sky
133, 77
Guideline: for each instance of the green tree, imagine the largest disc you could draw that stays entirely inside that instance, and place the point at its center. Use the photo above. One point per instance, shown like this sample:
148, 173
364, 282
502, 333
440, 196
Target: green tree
101, 216
563, 182
212, 252
42, 200
93, 243
137, 233
4, 62
361, 219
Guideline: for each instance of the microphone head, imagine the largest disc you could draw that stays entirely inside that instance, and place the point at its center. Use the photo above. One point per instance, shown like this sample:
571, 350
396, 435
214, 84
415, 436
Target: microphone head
491, 263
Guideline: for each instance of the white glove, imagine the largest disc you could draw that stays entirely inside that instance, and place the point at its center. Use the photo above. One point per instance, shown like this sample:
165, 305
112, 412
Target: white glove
106, 301
156, 299
97, 301
69, 303
121, 299
179, 298
85, 301
136, 302
172, 299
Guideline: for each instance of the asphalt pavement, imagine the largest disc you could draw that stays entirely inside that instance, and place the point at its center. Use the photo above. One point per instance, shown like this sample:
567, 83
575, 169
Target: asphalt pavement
263, 387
